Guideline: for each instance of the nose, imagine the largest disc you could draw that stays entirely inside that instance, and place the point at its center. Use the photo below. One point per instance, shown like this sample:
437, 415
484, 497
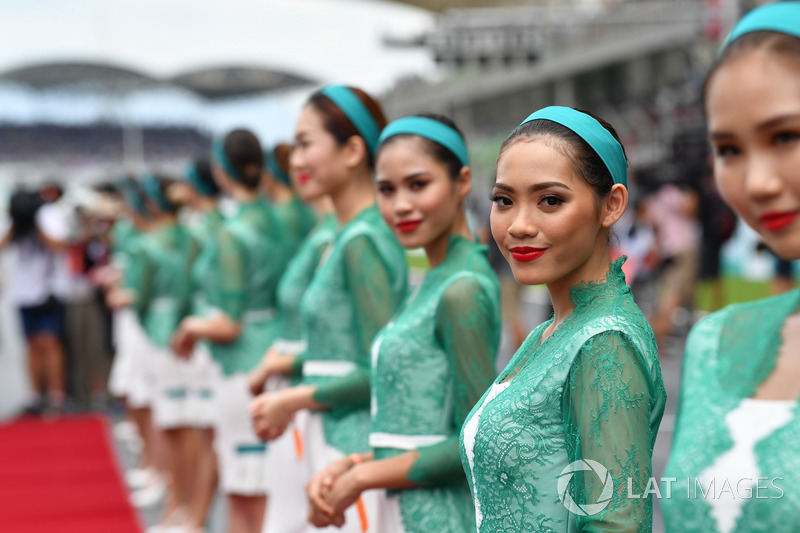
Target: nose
762, 181
523, 224
402, 204
295, 160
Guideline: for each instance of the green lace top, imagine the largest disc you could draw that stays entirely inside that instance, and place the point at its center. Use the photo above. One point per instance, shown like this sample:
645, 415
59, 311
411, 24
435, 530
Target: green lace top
123, 234
252, 255
158, 272
591, 391
430, 364
296, 219
205, 281
728, 355
352, 296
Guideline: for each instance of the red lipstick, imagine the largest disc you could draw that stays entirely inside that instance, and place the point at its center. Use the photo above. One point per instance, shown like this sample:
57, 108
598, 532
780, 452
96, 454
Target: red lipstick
302, 179
407, 226
526, 254
777, 220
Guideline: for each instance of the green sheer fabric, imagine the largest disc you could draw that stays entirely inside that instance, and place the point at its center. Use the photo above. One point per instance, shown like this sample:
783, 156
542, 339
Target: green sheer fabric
591, 390
123, 235
296, 219
159, 273
204, 278
728, 355
298, 276
430, 365
352, 296
251, 256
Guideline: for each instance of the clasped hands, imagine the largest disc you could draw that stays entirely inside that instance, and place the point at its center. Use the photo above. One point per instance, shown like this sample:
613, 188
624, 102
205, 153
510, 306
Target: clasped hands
331, 491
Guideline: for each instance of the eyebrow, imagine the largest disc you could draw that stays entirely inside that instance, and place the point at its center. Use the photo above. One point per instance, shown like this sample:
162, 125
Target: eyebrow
410, 177
766, 125
535, 187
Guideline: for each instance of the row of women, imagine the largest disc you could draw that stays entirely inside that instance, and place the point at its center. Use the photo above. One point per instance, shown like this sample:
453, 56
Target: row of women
381, 410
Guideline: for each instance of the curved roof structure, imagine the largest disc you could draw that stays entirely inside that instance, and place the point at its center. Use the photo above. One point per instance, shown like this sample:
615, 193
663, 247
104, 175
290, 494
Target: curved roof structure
208, 46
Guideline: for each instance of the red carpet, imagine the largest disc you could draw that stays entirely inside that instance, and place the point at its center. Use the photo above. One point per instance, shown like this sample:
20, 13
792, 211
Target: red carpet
61, 477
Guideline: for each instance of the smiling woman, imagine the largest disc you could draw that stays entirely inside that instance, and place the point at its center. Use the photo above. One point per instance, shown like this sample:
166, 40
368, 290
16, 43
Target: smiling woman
738, 416
585, 385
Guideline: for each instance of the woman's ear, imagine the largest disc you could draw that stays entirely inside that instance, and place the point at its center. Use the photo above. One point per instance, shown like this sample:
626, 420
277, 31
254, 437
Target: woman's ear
614, 205
355, 151
464, 182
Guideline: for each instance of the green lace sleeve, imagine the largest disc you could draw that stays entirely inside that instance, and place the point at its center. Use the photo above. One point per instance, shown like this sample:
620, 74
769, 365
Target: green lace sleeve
142, 274
607, 420
467, 327
192, 248
370, 289
233, 283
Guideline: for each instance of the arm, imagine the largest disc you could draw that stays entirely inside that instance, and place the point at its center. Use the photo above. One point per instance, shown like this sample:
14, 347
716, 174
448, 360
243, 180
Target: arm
606, 405
371, 291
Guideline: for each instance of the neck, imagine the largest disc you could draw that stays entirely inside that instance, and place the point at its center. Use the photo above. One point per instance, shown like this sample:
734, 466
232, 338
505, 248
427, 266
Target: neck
354, 196
280, 193
243, 195
595, 269
436, 250
205, 204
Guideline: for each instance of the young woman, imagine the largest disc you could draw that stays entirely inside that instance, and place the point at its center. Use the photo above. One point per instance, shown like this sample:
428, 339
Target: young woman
164, 260
251, 255
435, 358
584, 391
295, 216
287, 462
200, 193
734, 455
354, 292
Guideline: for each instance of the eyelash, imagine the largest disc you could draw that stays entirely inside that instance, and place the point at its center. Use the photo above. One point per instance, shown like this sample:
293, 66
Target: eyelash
558, 200
494, 198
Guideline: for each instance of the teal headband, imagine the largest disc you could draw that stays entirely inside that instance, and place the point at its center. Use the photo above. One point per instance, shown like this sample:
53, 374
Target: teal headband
221, 158
358, 114
271, 164
132, 197
430, 129
153, 191
780, 17
194, 179
600, 139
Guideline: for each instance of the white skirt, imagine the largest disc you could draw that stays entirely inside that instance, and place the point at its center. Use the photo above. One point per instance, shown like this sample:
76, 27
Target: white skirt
130, 341
241, 455
204, 374
390, 519
171, 402
321, 454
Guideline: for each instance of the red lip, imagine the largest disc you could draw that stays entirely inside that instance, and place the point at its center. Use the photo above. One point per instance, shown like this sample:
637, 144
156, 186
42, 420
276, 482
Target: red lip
777, 220
526, 254
302, 179
408, 226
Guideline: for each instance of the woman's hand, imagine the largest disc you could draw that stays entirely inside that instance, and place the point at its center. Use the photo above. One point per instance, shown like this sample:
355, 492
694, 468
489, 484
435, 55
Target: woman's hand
344, 492
183, 340
321, 512
258, 377
271, 415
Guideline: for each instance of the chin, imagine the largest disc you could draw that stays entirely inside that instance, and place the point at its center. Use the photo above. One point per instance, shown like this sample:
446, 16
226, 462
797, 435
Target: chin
787, 248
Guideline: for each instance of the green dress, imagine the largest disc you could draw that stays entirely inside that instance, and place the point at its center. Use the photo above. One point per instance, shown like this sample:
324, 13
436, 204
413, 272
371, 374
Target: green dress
430, 365
591, 391
353, 295
728, 355
296, 219
205, 281
251, 256
297, 278
159, 268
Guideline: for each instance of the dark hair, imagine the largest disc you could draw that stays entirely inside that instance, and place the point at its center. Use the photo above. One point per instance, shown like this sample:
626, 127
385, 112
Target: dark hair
283, 153
164, 183
22, 208
777, 43
202, 167
243, 151
134, 196
438, 152
336, 122
585, 161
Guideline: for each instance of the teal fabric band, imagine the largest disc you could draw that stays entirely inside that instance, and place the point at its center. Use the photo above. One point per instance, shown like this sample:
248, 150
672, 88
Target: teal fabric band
780, 17
430, 129
221, 158
196, 181
153, 191
134, 200
271, 164
355, 110
600, 139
